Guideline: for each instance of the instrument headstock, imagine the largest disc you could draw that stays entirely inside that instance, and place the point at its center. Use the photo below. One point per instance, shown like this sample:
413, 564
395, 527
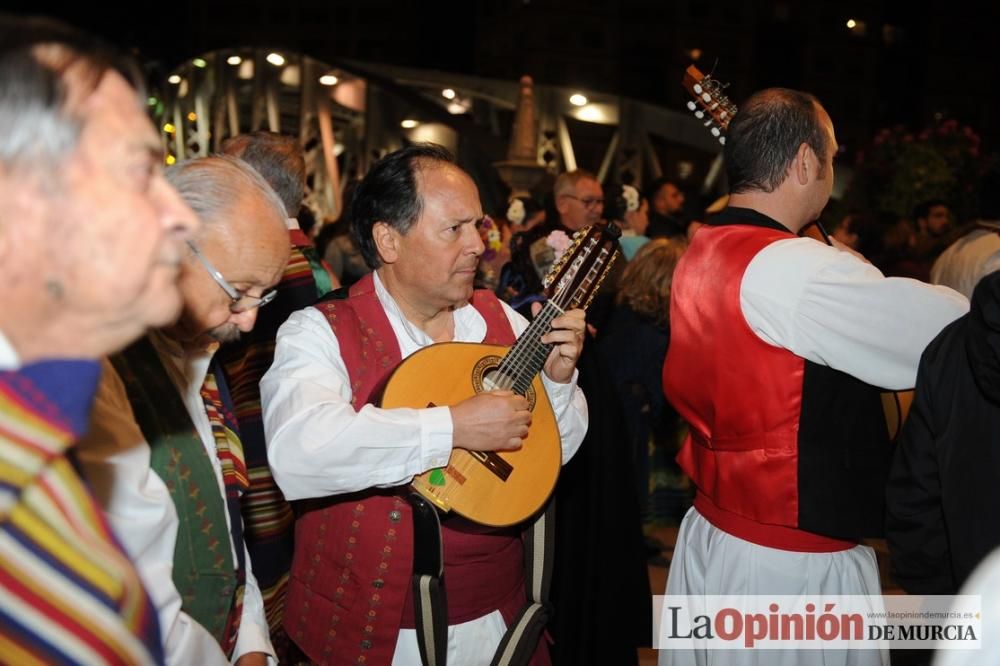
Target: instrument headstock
709, 103
576, 276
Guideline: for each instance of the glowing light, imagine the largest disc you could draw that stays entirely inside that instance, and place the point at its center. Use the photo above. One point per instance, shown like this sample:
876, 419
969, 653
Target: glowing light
454, 108
448, 93
170, 159
234, 60
199, 62
328, 80
169, 128
276, 59
408, 123
151, 101
174, 79
577, 99
592, 114
851, 23
192, 116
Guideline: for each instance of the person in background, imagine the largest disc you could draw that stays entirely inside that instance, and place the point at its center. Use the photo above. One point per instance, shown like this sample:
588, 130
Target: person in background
943, 463
634, 213
164, 454
977, 253
666, 205
633, 345
267, 517
91, 239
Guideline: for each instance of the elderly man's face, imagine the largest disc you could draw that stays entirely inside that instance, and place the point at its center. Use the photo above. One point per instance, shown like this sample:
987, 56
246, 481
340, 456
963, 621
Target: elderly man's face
116, 226
250, 248
583, 206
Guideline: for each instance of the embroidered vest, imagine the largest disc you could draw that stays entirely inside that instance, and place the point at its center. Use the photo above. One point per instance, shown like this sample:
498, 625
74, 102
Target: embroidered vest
210, 589
351, 574
784, 452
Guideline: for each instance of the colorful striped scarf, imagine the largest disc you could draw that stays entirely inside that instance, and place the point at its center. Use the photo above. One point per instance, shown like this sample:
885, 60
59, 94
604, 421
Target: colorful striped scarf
68, 592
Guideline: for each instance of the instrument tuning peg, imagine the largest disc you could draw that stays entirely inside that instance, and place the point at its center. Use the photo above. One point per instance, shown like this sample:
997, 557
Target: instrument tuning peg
692, 106
716, 132
697, 89
699, 114
722, 140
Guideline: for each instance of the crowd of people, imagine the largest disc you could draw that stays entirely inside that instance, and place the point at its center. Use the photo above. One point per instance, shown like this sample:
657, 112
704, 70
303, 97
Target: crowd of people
195, 466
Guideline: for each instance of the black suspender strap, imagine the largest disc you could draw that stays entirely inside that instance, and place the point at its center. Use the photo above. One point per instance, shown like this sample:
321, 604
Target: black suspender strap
430, 604
521, 640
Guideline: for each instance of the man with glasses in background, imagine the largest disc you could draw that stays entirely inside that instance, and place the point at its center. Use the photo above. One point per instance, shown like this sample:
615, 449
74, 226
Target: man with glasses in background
578, 200
164, 454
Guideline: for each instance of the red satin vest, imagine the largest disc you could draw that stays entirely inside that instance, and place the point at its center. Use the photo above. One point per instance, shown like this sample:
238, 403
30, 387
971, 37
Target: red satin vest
350, 587
741, 397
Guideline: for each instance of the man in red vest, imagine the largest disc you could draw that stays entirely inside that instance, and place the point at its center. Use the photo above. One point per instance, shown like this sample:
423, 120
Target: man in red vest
777, 344
414, 217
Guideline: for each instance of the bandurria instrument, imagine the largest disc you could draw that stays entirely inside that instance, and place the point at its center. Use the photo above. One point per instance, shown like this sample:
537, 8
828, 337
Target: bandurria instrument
503, 487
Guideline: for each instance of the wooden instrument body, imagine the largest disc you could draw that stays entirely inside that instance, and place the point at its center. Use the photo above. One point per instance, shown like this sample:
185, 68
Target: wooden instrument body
447, 373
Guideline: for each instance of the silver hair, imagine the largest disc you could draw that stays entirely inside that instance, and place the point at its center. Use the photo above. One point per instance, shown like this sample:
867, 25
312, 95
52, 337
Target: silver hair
210, 185
38, 127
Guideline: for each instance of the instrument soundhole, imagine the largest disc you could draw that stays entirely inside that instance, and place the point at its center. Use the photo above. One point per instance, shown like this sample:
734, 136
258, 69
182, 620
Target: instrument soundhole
486, 377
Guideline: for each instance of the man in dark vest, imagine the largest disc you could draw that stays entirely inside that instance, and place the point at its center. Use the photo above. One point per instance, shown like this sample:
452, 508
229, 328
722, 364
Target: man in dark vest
349, 598
777, 344
164, 454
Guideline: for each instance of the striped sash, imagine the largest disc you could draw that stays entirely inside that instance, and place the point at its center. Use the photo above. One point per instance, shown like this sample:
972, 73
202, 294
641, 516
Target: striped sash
235, 481
68, 592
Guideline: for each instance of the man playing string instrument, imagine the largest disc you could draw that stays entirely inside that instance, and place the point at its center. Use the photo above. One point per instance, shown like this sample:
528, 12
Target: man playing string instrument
414, 217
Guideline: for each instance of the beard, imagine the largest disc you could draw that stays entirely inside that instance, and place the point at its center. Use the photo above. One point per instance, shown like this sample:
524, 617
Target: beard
224, 333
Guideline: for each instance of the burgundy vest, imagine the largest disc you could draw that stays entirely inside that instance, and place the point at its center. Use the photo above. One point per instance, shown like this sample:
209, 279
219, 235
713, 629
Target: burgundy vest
350, 587
744, 401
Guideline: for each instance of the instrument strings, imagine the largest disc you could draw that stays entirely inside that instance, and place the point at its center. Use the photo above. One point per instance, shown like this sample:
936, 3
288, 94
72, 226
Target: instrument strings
518, 369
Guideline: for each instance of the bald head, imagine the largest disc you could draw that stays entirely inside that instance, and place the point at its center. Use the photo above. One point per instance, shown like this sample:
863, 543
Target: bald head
764, 137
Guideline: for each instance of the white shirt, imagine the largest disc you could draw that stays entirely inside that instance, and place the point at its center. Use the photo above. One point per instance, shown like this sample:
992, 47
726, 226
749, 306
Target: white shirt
115, 459
318, 445
830, 307
968, 260
8, 357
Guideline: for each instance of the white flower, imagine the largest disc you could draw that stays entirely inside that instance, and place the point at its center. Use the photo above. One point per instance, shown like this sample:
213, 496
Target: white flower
515, 212
631, 196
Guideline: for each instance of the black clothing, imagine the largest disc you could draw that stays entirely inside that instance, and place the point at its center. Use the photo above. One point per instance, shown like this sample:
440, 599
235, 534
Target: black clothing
944, 490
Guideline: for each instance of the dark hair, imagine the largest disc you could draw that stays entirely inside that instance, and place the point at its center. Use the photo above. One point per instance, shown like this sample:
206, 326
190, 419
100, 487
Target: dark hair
765, 135
34, 90
923, 209
278, 158
389, 193
656, 185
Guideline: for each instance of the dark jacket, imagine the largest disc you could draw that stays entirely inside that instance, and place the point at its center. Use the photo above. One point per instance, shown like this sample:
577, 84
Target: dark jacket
944, 489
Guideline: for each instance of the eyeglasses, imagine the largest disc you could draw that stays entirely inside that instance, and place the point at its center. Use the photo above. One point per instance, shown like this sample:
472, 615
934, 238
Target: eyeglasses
239, 302
588, 202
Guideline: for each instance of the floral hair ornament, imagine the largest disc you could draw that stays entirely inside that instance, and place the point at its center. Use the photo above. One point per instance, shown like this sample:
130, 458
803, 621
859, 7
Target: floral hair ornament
559, 242
631, 197
515, 211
